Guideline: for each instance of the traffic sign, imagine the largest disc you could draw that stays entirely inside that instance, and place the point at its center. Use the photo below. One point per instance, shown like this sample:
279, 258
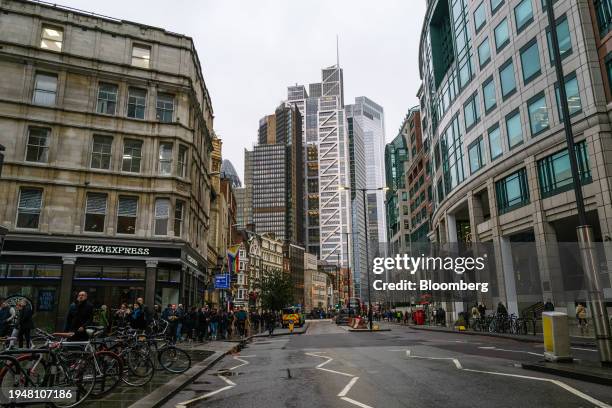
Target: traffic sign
222, 281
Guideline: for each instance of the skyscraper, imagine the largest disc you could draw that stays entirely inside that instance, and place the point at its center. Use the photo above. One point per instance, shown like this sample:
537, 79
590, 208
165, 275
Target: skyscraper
277, 175
371, 118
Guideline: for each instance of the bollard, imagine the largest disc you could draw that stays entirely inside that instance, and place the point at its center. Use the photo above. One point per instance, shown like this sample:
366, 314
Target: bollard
556, 337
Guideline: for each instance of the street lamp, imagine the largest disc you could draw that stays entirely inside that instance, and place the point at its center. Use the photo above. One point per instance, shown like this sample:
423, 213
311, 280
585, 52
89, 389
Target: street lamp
349, 268
603, 334
365, 219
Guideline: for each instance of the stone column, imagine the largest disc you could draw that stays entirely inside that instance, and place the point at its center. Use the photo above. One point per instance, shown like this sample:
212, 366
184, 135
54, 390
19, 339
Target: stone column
65, 293
508, 272
150, 280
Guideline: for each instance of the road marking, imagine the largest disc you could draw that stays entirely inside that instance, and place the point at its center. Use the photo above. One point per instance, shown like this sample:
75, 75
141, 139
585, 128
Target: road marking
584, 349
347, 387
512, 351
561, 384
352, 401
230, 385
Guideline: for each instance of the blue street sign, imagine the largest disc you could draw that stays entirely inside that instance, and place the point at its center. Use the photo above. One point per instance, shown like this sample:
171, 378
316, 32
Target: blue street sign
222, 281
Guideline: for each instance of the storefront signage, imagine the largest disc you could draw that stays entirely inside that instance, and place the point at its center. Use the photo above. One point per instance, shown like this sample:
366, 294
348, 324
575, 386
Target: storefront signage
192, 260
110, 249
222, 281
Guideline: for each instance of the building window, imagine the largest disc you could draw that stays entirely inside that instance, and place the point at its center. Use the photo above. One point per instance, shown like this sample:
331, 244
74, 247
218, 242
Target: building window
603, 11
38, 145
506, 78
512, 192
495, 5
523, 15
471, 112
107, 99
141, 56
514, 129
609, 70
132, 153
165, 159
45, 89
95, 212
563, 39
476, 155
574, 104
101, 152
488, 95
52, 38
484, 53
538, 114
28, 210
502, 35
495, 142
136, 103
165, 107
530, 61
162, 214
555, 173
480, 17
179, 209
182, 161
126, 215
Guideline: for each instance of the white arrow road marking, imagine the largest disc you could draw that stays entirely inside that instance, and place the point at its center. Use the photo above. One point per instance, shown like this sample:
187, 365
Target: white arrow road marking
230, 384
561, 384
347, 387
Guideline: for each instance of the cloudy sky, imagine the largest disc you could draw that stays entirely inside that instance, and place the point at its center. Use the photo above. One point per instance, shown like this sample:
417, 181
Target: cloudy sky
251, 50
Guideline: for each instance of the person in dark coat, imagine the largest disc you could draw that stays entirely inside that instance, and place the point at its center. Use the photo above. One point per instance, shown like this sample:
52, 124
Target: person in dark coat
80, 317
25, 323
549, 306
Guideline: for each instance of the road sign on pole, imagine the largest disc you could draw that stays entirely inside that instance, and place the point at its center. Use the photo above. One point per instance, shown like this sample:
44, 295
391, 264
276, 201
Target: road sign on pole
222, 281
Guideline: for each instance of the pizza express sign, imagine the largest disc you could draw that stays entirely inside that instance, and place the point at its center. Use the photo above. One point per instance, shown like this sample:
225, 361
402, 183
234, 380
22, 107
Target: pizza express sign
110, 249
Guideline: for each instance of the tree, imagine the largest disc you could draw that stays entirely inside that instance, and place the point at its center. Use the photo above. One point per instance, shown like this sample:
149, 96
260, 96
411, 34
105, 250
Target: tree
276, 291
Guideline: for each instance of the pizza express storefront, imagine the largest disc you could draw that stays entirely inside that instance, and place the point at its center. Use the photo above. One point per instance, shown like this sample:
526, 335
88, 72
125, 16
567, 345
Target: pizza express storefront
50, 273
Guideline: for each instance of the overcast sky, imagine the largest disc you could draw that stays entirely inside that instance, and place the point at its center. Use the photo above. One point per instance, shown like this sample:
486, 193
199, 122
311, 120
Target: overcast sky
251, 50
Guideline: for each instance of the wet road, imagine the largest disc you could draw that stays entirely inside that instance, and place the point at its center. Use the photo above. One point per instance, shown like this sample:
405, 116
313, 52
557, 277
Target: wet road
330, 367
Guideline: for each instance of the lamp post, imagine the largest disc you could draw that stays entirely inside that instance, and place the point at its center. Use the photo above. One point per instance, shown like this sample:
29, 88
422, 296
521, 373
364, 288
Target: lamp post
349, 268
603, 334
365, 219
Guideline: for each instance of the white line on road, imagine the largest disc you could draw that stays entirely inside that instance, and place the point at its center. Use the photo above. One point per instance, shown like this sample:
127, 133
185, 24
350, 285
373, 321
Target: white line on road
230, 385
348, 387
584, 349
561, 384
512, 351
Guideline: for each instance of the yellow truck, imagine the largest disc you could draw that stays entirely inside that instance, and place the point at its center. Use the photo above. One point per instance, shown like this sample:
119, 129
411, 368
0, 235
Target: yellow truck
295, 314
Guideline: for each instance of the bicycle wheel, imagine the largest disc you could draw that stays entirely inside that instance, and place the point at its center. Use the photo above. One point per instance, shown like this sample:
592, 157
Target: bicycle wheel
110, 370
138, 369
76, 371
174, 360
12, 376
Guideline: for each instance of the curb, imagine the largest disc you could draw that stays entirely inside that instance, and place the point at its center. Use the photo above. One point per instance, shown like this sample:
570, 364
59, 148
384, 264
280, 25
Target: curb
172, 387
568, 373
500, 335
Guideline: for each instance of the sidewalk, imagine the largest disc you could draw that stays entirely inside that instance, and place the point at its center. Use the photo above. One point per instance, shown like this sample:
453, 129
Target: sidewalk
530, 338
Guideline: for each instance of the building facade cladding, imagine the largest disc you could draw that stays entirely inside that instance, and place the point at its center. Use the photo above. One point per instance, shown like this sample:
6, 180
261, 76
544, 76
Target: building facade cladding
313, 293
398, 218
295, 255
248, 189
108, 145
357, 157
371, 118
495, 130
271, 255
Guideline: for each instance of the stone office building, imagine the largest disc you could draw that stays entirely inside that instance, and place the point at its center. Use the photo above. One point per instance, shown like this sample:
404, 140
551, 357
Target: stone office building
106, 182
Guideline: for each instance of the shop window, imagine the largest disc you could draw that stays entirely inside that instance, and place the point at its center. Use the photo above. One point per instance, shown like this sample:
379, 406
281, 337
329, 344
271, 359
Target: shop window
162, 214
555, 174
28, 210
538, 114
21, 271
126, 215
52, 38
95, 212
107, 99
